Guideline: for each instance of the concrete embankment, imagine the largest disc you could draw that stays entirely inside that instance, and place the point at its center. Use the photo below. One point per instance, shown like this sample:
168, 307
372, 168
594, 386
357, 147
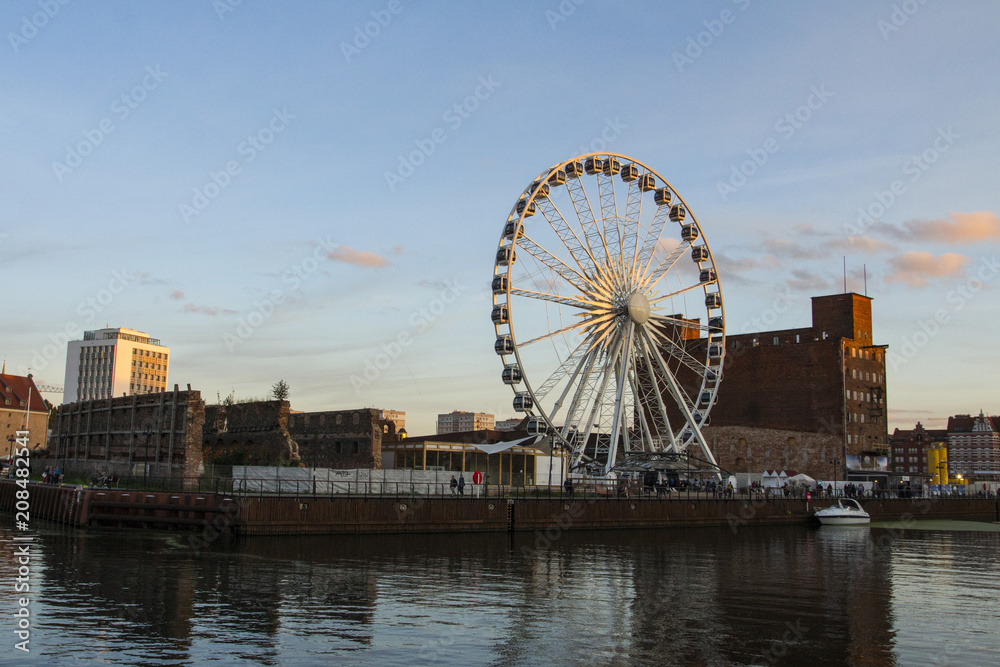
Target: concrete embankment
305, 515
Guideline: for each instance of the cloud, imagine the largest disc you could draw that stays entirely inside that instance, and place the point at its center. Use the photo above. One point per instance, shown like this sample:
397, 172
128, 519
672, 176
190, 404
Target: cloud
177, 294
807, 282
914, 268
960, 228
863, 244
791, 249
207, 310
148, 279
806, 229
349, 255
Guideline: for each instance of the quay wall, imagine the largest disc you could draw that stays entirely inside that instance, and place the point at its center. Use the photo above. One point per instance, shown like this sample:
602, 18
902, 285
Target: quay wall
305, 515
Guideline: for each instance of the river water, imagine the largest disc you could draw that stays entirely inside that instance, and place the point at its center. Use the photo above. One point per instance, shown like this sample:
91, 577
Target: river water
697, 596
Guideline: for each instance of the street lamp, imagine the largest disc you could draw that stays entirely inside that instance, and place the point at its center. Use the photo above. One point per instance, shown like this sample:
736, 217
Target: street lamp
145, 456
835, 463
10, 448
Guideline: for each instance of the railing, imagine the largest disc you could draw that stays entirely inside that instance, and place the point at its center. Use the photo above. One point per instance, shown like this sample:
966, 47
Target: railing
585, 489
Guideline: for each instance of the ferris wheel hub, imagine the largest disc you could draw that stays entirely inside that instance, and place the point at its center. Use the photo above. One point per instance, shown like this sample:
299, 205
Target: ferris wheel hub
638, 308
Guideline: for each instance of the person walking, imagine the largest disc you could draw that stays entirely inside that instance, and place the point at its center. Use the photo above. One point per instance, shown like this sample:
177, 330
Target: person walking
461, 485
453, 484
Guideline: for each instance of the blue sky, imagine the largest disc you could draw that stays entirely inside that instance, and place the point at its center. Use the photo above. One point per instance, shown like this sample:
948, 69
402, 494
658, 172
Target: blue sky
233, 161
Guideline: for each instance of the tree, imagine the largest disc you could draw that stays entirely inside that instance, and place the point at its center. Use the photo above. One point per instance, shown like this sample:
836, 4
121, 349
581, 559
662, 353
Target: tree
280, 391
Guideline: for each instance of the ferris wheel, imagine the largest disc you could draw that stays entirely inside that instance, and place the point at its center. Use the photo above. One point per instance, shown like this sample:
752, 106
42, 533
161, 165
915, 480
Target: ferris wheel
608, 312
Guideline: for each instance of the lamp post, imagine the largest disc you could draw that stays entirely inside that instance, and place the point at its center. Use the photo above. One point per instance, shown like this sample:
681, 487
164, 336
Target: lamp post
835, 463
145, 456
10, 448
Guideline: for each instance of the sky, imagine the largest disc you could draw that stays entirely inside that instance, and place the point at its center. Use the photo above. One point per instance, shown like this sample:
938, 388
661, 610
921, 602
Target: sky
314, 191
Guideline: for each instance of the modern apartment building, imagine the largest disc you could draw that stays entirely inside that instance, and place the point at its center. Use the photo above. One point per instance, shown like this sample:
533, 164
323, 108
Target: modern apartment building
458, 422
114, 362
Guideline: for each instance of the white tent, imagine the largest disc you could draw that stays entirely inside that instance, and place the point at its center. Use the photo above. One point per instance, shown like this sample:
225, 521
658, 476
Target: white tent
770, 480
802, 480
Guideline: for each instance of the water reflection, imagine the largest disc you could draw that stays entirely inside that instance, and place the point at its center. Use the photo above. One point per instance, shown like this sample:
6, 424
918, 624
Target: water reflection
683, 596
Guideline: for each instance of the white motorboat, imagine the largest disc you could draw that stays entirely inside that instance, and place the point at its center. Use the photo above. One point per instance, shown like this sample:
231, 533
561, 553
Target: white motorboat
847, 512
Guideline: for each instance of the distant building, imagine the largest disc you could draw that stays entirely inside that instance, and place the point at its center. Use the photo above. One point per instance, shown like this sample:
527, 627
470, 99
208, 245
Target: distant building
517, 462
109, 363
909, 449
269, 433
397, 417
21, 408
803, 399
458, 422
511, 424
157, 435
974, 447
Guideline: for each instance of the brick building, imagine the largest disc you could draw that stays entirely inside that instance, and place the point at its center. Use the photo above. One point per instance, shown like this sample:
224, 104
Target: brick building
156, 434
806, 398
269, 433
974, 447
21, 408
341, 438
909, 449
254, 433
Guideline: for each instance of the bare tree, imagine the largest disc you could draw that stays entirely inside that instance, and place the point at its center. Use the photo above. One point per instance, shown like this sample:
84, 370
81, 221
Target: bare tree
280, 390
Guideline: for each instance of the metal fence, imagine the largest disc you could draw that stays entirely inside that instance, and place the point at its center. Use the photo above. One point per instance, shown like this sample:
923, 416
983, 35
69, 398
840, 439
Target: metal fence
588, 489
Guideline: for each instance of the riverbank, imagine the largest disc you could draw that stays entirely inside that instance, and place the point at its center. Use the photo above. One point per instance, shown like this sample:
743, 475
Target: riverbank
218, 513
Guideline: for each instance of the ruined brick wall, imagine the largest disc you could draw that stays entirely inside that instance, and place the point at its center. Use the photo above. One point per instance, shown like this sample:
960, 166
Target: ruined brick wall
340, 438
747, 449
253, 433
120, 435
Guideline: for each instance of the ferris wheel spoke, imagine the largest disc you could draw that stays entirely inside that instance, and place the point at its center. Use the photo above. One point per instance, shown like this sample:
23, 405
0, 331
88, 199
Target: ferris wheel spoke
670, 295
588, 380
574, 362
622, 372
650, 438
657, 408
592, 230
609, 215
652, 238
577, 249
585, 213
663, 267
554, 298
677, 351
633, 214
558, 332
569, 274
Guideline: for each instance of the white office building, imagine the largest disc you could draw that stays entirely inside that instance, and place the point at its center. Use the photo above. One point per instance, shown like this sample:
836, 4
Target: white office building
114, 362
